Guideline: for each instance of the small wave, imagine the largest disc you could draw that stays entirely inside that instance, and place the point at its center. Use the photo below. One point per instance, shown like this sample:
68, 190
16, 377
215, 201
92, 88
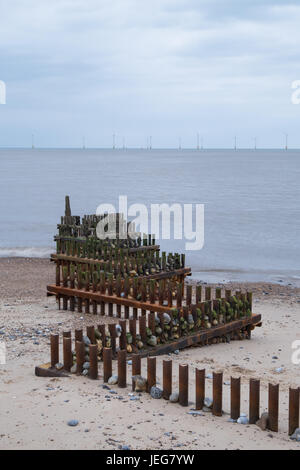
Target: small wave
26, 252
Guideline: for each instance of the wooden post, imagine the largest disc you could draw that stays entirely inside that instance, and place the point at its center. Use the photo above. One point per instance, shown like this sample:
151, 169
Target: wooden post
142, 328
112, 331
188, 294
151, 372
80, 353
107, 364
90, 332
254, 386
151, 322
122, 338
136, 367
122, 368
217, 393
273, 407
293, 410
78, 335
132, 329
54, 344
167, 378
200, 388
183, 384
235, 398
67, 351
93, 371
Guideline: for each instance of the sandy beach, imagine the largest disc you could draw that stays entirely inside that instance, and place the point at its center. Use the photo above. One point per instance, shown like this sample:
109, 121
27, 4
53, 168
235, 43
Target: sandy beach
35, 411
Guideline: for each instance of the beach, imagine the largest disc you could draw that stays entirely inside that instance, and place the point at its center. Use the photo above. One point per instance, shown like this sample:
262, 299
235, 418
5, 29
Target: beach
35, 411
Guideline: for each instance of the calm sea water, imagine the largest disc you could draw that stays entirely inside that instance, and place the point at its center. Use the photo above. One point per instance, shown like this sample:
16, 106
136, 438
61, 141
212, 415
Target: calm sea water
252, 202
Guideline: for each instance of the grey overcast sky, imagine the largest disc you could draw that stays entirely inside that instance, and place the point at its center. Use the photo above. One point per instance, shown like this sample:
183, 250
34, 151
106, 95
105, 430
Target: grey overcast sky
165, 68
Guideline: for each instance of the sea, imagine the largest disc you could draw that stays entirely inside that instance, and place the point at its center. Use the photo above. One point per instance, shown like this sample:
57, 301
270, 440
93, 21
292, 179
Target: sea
251, 201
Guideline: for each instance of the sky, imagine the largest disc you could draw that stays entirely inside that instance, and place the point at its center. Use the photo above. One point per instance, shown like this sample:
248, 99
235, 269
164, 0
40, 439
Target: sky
135, 68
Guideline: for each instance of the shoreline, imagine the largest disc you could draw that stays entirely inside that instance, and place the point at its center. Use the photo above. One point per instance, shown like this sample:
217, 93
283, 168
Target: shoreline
26, 279
210, 276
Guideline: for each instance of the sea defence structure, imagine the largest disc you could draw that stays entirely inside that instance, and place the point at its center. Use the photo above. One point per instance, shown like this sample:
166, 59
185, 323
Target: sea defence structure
129, 279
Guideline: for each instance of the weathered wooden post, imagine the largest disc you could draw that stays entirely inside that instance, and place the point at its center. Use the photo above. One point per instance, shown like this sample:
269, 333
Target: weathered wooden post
151, 372
54, 344
293, 410
167, 379
217, 393
67, 352
107, 364
200, 388
90, 332
122, 368
273, 407
93, 371
254, 391
183, 384
235, 398
79, 349
136, 367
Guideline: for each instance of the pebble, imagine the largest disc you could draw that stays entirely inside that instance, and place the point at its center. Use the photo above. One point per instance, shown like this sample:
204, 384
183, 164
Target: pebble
73, 422
73, 369
296, 435
176, 351
208, 402
209, 376
86, 365
279, 370
195, 413
113, 380
156, 392
263, 422
86, 340
59, 366
174, 397
243, 420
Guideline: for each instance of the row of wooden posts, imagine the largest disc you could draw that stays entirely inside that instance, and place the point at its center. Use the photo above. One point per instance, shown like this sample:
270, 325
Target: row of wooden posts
163, 292
217, 383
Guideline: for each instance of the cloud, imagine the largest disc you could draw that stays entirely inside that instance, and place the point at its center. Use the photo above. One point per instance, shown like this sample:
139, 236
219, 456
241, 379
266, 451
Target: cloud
135, 67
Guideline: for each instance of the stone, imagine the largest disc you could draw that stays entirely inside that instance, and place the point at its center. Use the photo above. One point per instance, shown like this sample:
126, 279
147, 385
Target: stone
85, 372
86, 365
206, 409
296, 435
176, 351
156, 392
73, 422
113, 380
263, 422
59, 366
86, 340
152, 341
73, 369
174, 397
166, 318
195, 413
243, 420
208, 402
140, 383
